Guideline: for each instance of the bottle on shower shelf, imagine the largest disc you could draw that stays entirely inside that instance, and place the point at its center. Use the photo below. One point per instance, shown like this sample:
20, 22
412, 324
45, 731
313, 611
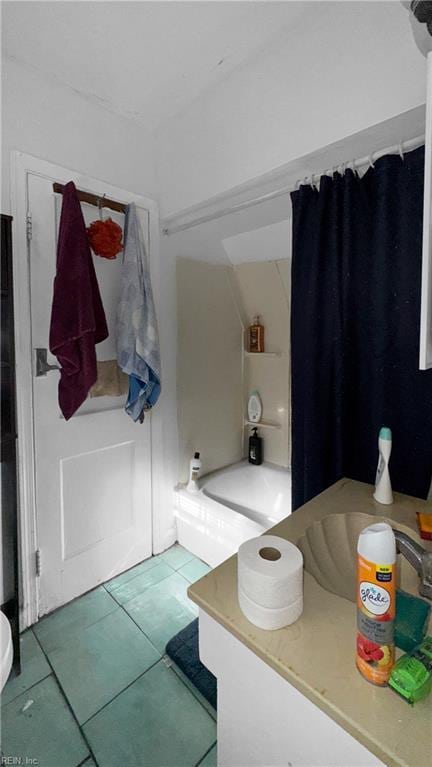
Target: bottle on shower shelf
256, 335
194, 471
255, 453
254, 407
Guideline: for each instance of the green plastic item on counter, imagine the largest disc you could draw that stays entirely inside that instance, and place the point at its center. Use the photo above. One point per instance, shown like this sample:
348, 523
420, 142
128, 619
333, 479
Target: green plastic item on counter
412, 618
411, 675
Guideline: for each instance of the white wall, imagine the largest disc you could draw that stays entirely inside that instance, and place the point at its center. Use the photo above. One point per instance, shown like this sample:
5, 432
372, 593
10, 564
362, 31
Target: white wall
53, 122
348, 66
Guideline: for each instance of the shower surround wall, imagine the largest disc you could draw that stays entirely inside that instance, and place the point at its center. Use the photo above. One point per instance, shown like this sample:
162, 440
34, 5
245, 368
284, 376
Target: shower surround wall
209, 367
214, 376
263, 288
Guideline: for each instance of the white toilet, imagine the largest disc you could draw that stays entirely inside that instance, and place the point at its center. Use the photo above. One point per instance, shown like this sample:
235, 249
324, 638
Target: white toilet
6, 650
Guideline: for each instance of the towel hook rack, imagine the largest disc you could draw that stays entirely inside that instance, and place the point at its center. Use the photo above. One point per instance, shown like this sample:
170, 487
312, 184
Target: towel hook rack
93, 199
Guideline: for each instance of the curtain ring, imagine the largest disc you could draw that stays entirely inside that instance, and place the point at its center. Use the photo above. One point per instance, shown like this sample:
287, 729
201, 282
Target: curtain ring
400, 148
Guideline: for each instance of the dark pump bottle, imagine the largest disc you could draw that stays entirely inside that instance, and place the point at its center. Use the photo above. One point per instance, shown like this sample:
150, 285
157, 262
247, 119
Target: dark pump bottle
255, 448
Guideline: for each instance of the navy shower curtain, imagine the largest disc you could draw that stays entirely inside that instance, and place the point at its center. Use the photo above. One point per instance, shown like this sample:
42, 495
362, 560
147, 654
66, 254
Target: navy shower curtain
355, 318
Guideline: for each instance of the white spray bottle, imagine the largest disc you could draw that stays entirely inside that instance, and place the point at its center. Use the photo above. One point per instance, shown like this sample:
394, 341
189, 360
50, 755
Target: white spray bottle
383, 489
195, 468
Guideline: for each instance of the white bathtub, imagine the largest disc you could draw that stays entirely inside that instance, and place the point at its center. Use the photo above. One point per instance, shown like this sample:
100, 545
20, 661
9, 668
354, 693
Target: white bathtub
232, 505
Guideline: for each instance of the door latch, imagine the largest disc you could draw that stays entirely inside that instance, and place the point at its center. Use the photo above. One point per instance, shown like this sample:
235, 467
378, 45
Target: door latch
42, 366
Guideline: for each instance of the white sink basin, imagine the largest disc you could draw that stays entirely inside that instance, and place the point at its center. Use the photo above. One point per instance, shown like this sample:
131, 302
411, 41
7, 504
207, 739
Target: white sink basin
329, 549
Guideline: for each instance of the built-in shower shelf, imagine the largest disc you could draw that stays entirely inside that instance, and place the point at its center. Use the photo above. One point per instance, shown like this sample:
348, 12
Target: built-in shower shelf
264, 424
262, 354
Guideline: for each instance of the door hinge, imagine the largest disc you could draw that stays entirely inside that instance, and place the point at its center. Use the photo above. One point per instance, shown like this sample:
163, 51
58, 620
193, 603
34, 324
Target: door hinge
38, 563
29, 226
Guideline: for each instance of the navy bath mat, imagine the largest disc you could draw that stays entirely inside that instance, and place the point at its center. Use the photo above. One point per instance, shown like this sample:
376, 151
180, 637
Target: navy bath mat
183, 650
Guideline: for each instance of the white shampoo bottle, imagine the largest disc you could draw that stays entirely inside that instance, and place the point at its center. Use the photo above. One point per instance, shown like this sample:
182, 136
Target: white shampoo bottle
195, 468
383, 489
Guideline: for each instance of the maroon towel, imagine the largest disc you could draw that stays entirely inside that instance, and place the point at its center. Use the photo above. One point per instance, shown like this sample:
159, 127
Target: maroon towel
77, 316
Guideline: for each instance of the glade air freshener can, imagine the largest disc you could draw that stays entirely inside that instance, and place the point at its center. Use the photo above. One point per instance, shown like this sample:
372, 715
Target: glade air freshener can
376, 602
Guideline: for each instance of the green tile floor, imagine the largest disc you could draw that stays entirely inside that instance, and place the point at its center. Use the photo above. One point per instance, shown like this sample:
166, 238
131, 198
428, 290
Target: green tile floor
96, 689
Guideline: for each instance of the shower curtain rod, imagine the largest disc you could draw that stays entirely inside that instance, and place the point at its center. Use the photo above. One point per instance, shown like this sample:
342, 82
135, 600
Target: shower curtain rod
407, 145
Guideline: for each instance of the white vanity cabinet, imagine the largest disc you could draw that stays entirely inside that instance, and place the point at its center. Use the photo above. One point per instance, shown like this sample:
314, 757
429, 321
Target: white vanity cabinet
263, 721
293, 697
426, 294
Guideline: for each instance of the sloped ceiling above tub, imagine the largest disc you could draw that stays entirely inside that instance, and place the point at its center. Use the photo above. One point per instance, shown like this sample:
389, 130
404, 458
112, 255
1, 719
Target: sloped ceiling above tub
269, 243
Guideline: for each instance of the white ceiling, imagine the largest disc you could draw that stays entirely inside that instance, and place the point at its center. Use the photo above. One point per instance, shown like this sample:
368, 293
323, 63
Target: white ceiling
144, 60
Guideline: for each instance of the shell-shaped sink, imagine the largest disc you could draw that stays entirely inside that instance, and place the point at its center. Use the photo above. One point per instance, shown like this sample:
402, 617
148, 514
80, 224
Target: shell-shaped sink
329, 549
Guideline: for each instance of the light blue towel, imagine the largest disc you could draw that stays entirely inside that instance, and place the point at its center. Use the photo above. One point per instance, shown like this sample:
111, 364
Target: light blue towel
138, 352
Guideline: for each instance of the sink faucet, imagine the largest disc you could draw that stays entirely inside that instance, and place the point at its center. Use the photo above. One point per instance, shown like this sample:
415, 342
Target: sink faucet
419, 558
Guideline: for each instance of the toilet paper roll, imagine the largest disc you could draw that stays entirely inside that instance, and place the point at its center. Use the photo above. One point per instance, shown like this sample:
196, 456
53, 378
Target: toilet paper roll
270, 571
269, 618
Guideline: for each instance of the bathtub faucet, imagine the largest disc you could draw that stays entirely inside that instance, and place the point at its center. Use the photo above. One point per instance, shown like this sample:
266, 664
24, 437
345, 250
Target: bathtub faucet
419, 558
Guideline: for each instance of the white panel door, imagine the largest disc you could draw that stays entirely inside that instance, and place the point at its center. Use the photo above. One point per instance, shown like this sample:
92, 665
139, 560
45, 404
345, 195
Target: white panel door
93, 472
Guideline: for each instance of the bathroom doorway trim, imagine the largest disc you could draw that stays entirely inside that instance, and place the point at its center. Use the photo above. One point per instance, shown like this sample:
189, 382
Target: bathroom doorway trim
23, 165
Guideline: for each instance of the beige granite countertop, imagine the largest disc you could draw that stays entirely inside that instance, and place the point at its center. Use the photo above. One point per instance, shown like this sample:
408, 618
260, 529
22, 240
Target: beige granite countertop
316, 654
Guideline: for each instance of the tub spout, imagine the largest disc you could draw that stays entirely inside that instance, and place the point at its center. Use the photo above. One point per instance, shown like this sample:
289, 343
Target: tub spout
419, 558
